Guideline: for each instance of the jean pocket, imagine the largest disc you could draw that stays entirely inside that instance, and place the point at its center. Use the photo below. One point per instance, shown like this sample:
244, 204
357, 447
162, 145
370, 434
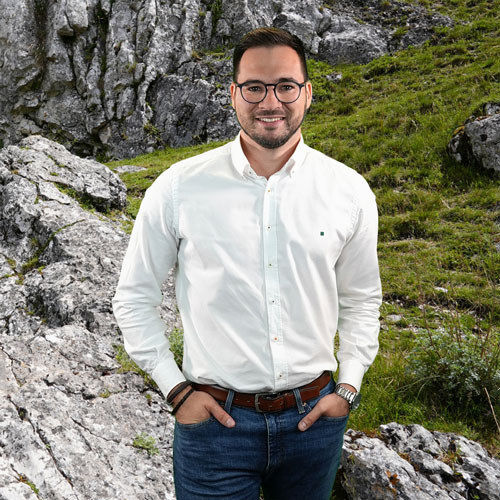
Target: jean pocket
308, 406
196, 425
340, 419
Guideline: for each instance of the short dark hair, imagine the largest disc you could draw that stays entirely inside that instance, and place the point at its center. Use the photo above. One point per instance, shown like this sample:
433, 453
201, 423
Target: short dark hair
268, 37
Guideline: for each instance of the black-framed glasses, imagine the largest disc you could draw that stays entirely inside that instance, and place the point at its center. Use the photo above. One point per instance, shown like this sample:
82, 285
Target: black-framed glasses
255, 91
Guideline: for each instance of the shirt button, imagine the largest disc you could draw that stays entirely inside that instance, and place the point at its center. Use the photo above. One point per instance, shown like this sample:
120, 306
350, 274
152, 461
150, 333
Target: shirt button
268, 227
276, 339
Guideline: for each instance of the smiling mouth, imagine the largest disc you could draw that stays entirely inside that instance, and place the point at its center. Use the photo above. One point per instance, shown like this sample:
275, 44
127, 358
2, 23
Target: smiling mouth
271, 120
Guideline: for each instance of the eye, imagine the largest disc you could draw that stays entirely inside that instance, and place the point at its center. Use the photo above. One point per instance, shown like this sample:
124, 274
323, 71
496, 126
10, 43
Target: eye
253, 88
286, 87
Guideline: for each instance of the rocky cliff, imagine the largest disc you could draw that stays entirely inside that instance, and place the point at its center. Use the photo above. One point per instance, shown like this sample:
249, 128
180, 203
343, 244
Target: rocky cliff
72, 425
75, 422
121, 77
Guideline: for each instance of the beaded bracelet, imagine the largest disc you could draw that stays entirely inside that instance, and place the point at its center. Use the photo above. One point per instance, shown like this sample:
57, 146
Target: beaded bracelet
177, 391
181, 402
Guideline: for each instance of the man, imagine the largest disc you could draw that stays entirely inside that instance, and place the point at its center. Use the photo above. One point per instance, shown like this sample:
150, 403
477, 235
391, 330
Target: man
275, 246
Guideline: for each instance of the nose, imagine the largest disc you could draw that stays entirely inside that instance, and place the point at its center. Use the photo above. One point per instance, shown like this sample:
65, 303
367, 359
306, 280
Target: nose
270, 101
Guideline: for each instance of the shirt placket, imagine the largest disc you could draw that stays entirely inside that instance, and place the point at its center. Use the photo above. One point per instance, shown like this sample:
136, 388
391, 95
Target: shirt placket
271, 279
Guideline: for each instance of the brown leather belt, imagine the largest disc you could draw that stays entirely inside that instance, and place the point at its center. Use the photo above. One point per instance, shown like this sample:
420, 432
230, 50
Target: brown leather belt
269, 402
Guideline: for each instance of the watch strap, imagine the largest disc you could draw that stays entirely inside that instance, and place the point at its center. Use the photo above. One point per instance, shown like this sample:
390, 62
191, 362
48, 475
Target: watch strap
352, 398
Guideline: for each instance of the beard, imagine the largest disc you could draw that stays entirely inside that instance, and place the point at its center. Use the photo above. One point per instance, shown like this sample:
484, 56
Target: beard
267, 140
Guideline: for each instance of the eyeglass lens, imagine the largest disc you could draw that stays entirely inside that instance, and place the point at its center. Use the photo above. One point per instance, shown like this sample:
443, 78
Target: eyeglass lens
255, 92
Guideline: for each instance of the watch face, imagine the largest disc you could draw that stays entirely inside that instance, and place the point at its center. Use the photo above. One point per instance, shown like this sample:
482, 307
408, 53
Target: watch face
356, 401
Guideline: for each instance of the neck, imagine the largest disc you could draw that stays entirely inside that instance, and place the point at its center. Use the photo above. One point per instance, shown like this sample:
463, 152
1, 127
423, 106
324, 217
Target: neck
264, 161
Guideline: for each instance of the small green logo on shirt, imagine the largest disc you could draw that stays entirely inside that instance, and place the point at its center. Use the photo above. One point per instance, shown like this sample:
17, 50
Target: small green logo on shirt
322, 233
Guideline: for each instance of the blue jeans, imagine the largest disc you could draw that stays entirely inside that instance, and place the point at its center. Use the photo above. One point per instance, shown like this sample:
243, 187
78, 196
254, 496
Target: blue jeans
263, 449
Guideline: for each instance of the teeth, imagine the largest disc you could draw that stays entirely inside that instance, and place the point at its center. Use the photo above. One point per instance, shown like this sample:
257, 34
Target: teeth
270, 120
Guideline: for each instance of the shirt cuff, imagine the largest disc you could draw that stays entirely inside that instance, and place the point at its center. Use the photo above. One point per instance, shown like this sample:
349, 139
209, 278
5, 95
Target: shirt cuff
351, 372
167, 375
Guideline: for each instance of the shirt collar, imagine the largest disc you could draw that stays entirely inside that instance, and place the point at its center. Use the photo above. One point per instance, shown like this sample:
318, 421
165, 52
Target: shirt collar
243, 167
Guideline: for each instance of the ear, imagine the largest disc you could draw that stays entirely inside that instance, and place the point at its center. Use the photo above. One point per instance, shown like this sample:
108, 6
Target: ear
309, 93
233, 90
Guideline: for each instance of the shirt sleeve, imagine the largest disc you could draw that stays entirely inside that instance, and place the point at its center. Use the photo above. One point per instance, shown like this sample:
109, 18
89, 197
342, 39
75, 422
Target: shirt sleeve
151, 254
359, 293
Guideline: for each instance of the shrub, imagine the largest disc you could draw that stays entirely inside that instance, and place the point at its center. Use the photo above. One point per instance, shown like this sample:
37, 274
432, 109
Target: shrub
454, 364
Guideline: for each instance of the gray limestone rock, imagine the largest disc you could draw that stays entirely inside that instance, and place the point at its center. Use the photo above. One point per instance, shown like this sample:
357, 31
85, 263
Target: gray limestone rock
69, 416
193, 105
478, 141
124, 77
350, 40
412, 463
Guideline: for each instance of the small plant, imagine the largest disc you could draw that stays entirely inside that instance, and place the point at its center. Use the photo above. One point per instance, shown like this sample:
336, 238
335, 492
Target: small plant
152, 131
127, 365
454, 364
451, 457
23, 479
216, 8
385, 5
130, 67
147, 443
400, 33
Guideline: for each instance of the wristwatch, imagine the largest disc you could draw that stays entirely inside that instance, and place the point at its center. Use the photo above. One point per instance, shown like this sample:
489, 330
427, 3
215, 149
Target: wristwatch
353, 398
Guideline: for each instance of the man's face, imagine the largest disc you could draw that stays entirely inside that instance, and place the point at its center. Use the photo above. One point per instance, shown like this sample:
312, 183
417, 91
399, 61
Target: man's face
270, 123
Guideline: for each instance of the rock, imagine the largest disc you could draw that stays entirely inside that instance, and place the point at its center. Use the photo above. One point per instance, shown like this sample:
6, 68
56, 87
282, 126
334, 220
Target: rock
418, 25
125, 77
68, 415
412, 463
42, 161
124, 169
334, 77
394, 318
478, 141
194, 105
350, 41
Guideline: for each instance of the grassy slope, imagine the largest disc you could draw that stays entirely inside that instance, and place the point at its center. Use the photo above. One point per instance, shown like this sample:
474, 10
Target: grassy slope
439, 221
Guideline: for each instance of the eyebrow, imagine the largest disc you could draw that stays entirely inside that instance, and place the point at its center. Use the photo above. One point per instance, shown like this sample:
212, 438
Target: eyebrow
290, 79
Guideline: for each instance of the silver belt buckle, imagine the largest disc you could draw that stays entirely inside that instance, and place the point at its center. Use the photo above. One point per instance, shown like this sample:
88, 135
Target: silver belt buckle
256, 402
267, 396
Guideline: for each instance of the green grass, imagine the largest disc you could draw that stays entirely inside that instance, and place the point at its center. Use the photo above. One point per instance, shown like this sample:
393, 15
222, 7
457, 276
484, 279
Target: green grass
391, 120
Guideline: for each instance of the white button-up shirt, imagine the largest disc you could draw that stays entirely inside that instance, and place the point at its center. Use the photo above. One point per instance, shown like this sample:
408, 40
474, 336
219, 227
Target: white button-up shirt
267, 271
